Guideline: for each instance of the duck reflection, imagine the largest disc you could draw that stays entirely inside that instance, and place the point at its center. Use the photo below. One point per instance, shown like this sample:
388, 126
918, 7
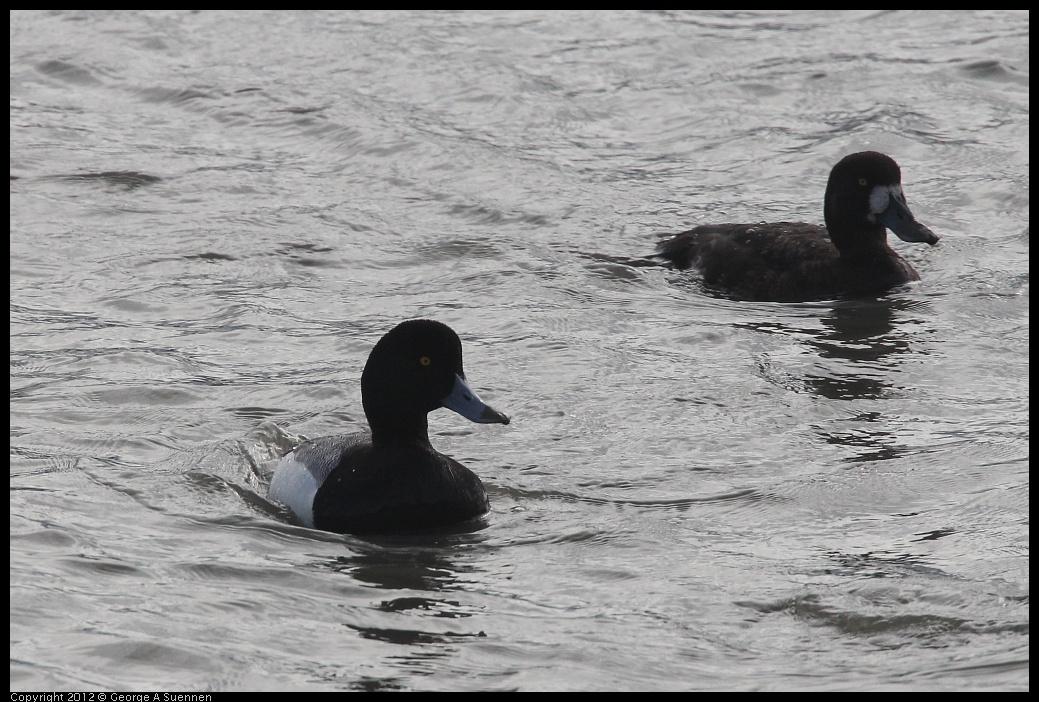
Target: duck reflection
869, 441
857, 344
857, 347
420, 563
863, 337
416, 571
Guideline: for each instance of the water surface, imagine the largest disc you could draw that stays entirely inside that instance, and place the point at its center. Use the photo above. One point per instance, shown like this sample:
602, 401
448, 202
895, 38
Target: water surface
214, 216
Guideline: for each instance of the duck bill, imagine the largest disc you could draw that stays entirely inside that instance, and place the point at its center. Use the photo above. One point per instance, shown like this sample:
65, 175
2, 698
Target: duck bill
467, 403
896, 216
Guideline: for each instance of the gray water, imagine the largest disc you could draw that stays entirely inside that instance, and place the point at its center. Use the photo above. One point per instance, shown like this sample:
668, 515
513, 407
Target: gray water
214, 216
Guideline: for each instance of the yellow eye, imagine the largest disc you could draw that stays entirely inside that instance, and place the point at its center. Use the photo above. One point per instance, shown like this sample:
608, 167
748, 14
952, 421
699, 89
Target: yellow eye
425, 360
862, 181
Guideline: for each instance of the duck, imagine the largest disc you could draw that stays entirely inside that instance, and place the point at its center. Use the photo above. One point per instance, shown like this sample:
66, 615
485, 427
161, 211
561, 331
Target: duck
798, 261
391, 479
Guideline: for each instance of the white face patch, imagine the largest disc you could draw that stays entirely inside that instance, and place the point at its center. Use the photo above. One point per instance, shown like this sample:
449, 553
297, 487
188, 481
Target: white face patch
880, 198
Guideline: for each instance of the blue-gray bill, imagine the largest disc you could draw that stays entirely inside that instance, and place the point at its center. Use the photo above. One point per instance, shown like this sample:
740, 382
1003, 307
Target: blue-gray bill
467, 403
890, 208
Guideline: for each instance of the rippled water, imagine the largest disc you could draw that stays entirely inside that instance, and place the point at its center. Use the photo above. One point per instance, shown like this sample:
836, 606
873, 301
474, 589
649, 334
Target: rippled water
214, 215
